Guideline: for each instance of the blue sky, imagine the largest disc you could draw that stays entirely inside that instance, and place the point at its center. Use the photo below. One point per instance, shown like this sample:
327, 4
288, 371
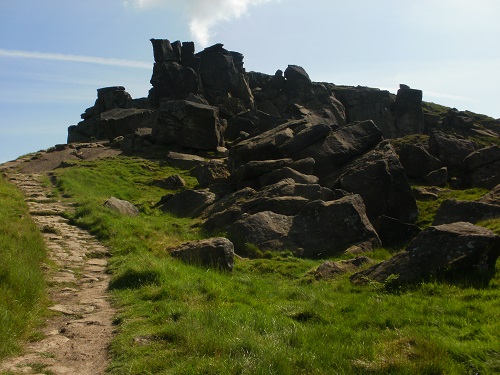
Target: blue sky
54, 54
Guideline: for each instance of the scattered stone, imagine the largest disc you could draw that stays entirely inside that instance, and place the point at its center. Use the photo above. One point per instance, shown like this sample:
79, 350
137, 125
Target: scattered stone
330, 270
123, 207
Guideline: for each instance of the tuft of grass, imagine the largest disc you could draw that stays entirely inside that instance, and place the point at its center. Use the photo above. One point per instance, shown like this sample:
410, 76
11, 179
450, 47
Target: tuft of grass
263, 318
22, 286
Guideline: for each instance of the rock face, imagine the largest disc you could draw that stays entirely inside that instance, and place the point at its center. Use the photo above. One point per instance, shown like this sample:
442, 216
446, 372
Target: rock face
121, 206
215, 252
379, 179
188, 124
439, 250
409, 116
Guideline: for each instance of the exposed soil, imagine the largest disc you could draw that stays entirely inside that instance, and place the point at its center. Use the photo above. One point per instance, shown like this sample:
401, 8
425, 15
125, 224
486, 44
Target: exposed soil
78, 330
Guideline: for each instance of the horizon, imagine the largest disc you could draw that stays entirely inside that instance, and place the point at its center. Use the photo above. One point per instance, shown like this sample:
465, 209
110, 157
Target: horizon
52, 67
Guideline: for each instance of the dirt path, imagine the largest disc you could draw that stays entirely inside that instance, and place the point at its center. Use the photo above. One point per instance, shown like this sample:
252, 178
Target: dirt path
79, 329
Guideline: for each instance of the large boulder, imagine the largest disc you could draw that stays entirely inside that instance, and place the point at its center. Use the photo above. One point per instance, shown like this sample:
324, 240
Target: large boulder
214, 252
324, 229
187, 203
452, 211
482, 168
451, 150
341, 146
249, 173
460, 248
188, 124
211, 172
416, 160
320, 229
379, 179
285, 197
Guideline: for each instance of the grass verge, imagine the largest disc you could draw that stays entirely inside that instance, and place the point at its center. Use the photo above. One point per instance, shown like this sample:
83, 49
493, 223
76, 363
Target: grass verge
22, 286
267, 316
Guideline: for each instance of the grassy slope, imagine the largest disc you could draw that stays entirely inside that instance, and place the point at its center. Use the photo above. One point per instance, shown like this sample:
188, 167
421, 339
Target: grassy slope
22, 286
267, 317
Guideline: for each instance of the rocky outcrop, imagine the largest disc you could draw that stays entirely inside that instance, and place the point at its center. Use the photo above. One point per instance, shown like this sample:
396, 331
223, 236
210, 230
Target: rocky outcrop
285, 163
215, 253
114, 114
438, 251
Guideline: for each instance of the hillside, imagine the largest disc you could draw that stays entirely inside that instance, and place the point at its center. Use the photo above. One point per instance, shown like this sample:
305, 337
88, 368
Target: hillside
271, 224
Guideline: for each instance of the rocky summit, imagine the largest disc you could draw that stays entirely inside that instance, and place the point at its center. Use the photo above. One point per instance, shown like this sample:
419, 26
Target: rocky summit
316, 169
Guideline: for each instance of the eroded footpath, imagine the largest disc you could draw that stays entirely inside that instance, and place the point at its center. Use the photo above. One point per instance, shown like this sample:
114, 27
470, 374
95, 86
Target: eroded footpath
79, 329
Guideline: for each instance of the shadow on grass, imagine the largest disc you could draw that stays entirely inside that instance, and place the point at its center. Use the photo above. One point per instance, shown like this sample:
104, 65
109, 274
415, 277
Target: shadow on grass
133, 279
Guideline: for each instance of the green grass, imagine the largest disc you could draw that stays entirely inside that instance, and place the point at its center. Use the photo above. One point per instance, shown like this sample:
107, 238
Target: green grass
268, 316
22, 285
428, 209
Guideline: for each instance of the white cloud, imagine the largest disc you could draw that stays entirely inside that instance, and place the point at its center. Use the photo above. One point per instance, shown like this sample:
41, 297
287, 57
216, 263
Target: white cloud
74, 58
203, 15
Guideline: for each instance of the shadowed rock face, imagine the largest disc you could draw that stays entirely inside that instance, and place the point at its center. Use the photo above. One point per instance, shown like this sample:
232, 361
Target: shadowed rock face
215, 252
456, 247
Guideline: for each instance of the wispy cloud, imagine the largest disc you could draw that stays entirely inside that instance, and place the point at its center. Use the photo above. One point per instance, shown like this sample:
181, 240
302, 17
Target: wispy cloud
75, 58
203, 15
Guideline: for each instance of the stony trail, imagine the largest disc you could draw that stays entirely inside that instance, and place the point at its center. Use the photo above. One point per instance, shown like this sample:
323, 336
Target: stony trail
78, 331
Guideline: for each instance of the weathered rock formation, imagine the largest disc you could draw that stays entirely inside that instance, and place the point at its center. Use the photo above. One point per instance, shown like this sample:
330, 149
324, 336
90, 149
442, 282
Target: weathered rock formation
286, 163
